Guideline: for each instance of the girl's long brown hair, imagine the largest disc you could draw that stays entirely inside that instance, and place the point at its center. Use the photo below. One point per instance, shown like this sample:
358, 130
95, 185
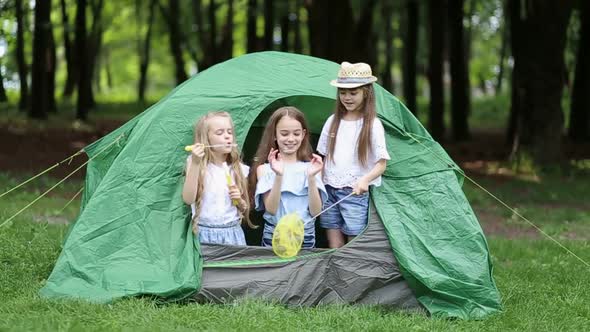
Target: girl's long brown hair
369, 114
269, 140
233, 161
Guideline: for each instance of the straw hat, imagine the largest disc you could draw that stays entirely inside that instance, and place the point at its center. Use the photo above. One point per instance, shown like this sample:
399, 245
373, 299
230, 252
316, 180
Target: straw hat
353, 75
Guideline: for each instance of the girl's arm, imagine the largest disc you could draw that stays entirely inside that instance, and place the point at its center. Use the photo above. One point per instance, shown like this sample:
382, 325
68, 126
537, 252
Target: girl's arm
315, 201
362, 185
380, 151
272, 197
191, 181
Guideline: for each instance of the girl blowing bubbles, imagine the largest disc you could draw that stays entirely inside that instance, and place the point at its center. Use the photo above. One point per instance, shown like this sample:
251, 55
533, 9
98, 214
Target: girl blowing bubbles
291, 180
217, 207
353, 141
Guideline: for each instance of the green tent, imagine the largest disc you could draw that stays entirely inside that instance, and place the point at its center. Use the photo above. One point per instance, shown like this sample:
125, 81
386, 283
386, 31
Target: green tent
423, 247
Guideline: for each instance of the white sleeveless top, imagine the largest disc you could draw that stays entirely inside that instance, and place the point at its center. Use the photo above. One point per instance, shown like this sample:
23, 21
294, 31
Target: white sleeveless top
216, 205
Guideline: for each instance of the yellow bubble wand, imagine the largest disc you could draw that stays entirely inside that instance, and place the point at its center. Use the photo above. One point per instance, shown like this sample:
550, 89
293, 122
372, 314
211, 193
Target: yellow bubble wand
289, 232
230, 181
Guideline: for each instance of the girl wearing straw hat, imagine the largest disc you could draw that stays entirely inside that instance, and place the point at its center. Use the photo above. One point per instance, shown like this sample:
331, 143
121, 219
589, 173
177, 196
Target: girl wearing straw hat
348, 173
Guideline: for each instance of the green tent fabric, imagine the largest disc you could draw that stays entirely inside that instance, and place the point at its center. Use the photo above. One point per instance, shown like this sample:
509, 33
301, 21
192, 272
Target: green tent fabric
132, 236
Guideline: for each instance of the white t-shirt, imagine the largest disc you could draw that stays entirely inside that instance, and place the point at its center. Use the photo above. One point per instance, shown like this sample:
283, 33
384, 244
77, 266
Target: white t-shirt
216, 205
344, 169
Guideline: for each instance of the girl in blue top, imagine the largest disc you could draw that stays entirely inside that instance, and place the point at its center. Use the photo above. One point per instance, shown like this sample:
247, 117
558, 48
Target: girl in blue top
291, 180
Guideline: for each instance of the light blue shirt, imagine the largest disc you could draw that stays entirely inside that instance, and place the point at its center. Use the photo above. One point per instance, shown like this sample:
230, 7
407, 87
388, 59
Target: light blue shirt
294, 198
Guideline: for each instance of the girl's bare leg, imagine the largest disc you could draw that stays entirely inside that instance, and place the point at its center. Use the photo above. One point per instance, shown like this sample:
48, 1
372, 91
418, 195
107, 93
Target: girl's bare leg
335, 238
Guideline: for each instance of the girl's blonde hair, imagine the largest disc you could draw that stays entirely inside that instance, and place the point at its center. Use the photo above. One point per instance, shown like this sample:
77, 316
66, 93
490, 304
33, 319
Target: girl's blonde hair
369, 115
233, 161
269, 140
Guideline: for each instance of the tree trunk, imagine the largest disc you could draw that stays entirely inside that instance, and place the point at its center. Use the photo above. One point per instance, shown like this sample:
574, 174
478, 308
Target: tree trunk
3, 97
459, 78
71, 68
199, 19
515, 30
435, 67
503, 51
410, 55
297, 42
365, 40
145, 55
579, 128
175, 39
252, 39
83, 104
40, 84
94, 44
268, 24
387, 18
23, 102
212, 47
227, 42
107, 67
51, 70
285, 32
340, 38
539, 77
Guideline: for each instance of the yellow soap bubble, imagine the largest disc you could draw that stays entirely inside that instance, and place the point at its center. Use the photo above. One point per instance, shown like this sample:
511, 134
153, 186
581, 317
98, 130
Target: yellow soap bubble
288, 236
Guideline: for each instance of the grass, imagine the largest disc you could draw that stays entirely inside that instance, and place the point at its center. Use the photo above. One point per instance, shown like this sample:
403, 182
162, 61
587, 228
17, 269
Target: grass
543, 288
556, 202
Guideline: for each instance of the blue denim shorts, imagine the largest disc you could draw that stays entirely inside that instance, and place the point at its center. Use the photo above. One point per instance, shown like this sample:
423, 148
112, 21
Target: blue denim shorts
350, 216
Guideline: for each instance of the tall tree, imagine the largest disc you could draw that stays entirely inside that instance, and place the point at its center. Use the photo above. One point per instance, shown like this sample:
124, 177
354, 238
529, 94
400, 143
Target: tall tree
3, 97
503, 49
40, 85
226, 44
83, 103
252, 39
459, 74
387, 21
23, 102
71, 67
214, 49
436, 20
51, 70
269, 24
538, 80
342, 37
579, 128
145, 52
285, 27
94, 42
410, 54
171, 16
252, 16
297, 41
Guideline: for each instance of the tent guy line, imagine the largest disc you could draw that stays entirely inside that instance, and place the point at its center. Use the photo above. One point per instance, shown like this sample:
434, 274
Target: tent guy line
61, 181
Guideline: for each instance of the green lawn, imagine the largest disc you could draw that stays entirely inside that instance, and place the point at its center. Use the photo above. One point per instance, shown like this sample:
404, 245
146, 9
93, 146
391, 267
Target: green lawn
543, 287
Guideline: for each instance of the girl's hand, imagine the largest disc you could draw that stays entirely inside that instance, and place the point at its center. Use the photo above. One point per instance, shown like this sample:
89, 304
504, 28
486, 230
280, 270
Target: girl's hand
276, 161
236, 196
361, 187
234, 192
198, 152
316, 165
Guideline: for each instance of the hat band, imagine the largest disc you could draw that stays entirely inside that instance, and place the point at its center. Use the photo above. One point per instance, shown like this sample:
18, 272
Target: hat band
353, 79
